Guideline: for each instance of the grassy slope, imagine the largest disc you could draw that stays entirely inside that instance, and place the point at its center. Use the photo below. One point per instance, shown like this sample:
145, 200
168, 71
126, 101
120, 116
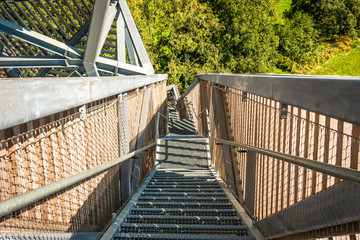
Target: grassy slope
342, 63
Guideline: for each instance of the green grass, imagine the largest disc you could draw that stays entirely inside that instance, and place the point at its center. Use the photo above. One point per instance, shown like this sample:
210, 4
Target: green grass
343, 63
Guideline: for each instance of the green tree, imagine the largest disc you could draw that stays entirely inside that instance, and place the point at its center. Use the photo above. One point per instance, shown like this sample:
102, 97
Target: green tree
299, 43
247, 38
332, 17
178, 35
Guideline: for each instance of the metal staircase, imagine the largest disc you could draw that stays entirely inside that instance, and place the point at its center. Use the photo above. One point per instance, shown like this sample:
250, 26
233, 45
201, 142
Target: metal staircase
182, 204
181, 198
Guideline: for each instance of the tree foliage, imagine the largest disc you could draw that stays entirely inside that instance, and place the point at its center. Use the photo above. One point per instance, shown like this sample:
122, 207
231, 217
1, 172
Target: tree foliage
187, 37
299, 42
333, 17
179, 36
247, 38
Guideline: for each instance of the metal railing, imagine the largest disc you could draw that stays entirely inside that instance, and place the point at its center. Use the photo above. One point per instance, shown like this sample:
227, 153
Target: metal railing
332, 170
281, 159
18, 202
51, 149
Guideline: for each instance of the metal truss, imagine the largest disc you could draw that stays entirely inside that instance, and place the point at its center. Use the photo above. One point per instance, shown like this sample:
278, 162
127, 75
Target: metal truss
70, 38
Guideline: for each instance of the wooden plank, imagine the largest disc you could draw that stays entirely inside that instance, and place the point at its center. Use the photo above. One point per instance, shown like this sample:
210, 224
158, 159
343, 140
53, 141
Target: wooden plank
226, 152
266, 137
355, 148
19, 161
63, 168
273, 160
97, 161
83, 166
315, 152
326, 151
53, 153
306, 152
297, 153
229, 117
283, 166
339, 144
34, 213
4, 170
267, 160
278, 185
289, 166
70, 163
250, 181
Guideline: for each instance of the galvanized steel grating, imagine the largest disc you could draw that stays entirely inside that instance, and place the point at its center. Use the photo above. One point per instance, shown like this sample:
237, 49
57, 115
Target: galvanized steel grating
181, 203
184, 229
139, 236
183, 212
204, 220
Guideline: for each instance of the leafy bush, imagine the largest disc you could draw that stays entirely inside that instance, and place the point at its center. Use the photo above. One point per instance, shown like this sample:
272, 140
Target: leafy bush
178, 34
247, 39
332, 17
299, 43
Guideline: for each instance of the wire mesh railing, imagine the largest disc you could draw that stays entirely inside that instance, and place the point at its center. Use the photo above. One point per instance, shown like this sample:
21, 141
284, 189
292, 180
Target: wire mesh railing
64, 147
277, 185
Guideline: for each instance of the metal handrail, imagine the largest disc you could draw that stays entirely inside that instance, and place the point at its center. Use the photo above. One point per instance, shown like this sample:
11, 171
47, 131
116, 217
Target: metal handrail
20, 201
332, 170
333, 96
329, 169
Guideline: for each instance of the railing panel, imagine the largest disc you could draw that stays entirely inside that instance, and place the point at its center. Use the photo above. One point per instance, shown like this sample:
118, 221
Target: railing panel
256, 121
43, 151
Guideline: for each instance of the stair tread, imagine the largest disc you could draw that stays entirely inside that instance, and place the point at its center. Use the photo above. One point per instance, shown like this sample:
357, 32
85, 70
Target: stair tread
179, 226
178, 236
184, 211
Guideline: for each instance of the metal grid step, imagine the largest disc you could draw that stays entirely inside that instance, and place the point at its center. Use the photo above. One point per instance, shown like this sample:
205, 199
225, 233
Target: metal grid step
183, 199
186, 190
181, 180
184, 205
184, 229
202, 220
139, 236
182, 174
183, 212
178, 178
166, 185
179, 194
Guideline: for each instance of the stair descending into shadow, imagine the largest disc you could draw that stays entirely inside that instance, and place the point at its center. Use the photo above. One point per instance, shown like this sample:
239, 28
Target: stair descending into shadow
179, 126
190, 152
181, 198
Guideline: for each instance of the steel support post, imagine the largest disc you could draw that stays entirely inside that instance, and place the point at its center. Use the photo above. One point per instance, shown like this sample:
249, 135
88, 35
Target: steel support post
250, 181
120, 38
102, 18
136, 39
